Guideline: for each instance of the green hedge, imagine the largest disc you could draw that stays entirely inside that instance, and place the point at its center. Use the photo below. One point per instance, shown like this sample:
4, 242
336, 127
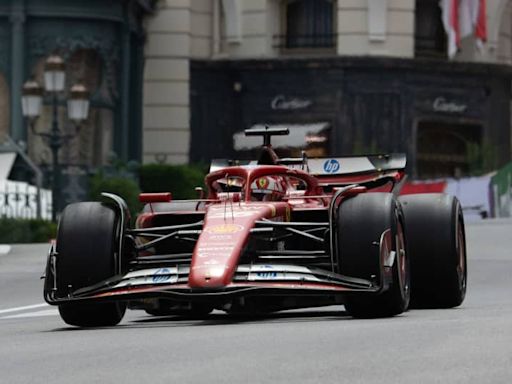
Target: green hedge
14, 231
124, 187
178, 179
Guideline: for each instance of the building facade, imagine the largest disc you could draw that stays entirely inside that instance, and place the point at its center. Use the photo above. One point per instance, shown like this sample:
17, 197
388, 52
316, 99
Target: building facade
373, 73
102, 45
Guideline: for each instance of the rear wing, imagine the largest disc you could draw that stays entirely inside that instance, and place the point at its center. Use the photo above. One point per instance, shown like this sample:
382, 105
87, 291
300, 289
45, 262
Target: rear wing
372, 171
330, 166
369, 170
345, 166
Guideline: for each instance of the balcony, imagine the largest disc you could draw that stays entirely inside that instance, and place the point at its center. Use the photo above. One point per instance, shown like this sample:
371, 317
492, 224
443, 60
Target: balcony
312, 41
431, 48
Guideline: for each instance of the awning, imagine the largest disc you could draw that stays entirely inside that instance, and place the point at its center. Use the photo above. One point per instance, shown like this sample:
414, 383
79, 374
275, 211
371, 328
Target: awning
301, 135
6, 163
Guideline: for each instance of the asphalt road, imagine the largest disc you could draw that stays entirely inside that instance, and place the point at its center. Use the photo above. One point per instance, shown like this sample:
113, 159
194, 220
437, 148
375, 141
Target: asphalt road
470, 344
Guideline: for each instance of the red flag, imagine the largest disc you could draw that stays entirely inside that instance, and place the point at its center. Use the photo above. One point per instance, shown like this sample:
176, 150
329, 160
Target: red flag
481, 22
450, 16
472, 19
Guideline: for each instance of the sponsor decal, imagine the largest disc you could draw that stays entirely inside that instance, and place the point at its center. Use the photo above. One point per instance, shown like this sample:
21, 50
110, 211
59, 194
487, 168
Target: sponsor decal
281, 102
199, 267
267, 275
331, 166
224, 229
242, 210
161, 275
273, 210
221, 238
440, 104
213, 251
230, 214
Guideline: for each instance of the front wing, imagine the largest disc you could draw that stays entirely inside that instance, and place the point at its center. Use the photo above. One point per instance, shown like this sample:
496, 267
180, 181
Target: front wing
249, 280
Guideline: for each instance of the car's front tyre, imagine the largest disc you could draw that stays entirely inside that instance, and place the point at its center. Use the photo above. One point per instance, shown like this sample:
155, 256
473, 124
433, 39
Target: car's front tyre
87, 241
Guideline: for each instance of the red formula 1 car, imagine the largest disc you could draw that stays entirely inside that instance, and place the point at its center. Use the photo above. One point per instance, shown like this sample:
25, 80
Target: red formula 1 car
271, 234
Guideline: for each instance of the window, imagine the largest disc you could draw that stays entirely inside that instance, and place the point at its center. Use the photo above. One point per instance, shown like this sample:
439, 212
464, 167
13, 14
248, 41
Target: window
430, 37
308, 24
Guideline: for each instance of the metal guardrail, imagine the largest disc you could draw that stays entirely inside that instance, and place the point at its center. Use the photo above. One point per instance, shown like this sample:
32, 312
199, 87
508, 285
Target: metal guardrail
7, 144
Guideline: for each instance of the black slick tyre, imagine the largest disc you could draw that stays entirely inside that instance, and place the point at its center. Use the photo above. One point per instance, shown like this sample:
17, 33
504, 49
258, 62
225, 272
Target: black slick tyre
434, 226
87, 241
362, 221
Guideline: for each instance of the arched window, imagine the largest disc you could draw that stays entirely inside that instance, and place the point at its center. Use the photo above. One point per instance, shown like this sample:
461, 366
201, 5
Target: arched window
309, 24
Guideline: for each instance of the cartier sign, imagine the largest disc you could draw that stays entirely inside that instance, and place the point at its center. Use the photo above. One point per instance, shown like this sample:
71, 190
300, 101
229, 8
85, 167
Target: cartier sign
292, 103
440, 104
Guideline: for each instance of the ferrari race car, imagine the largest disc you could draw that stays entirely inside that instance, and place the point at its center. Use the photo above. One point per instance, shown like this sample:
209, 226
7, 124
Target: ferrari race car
270, 234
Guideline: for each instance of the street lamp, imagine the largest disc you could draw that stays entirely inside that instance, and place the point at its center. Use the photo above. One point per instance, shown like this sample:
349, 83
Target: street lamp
78, 111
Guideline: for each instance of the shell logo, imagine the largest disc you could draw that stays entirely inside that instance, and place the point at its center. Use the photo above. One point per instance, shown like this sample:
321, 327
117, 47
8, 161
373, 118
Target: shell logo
224, 229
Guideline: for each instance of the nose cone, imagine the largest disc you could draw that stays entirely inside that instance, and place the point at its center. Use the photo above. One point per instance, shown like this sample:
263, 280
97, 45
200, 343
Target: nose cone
225, 235
217, 253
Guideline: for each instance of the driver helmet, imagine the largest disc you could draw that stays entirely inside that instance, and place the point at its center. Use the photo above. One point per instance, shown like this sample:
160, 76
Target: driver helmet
267, 188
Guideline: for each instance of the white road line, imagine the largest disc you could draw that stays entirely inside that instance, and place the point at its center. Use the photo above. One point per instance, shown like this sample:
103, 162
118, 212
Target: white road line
47, 312
16, 309
4, 249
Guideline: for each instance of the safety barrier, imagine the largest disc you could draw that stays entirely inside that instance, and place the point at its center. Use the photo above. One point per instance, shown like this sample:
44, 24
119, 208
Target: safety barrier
501, 192
19, 200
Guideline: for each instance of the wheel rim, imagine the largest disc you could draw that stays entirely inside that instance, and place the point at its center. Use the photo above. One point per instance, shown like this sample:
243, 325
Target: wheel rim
403, 267
461, 255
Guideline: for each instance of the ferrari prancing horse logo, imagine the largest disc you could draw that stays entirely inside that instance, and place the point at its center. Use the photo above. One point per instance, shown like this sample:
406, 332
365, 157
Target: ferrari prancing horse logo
263, 182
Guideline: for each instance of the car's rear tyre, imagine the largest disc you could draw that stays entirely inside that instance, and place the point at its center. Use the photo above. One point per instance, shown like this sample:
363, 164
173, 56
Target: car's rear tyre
362, 221
87, 241
434, 226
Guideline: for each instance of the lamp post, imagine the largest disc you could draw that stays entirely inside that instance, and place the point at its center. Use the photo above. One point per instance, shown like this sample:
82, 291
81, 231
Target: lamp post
77, 108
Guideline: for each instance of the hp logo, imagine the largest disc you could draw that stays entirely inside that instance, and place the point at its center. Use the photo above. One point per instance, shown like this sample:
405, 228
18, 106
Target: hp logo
331, 166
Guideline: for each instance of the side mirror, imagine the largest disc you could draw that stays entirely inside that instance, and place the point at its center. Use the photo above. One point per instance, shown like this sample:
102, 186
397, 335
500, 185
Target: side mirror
200, 192
161, 197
